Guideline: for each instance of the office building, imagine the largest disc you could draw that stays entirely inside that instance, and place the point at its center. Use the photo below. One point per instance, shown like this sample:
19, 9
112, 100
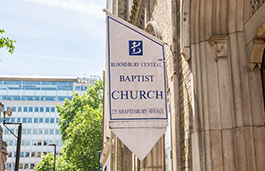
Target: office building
34, 100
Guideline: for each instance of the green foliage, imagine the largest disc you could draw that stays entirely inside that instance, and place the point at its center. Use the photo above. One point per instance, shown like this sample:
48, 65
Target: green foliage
6, 42
47, 163
80, 126
69, 109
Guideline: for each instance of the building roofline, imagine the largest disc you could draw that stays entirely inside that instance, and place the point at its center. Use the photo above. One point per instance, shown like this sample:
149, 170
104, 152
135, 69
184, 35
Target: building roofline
37, 78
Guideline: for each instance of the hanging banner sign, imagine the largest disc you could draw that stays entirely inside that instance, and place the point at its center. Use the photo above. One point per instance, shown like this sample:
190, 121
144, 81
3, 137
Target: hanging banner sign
137, 85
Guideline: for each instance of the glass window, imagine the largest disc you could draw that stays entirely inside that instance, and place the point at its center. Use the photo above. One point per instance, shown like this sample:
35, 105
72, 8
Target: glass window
8, 166
19, 120
45, 142
34, 131
15, 142
57, 120
22, 142
47, 120
27, 142
52, 120
32, 154
47, 109
30, 109
15, 154
52, 109
40, 131
13, 120
6, 131
57, 142
46, 131
36, 109
28, 131
7, 119
26, 155
24, 120
10, 143
50, 141
2, 120
35, 120
39, 142
51, 131
13, 130
32, 165
29, 120
19, 109
38, 154
14, 109
41, 109
57, 131
21, 155
34, 142
21, 165
25, 109
10, 154
40, 120
26, 166
23, 131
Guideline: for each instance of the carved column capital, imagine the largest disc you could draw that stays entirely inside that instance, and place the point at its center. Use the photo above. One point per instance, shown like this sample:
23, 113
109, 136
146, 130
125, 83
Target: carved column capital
219, 44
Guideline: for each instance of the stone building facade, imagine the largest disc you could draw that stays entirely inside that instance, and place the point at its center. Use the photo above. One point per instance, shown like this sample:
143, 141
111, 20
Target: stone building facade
215, 83
3, 145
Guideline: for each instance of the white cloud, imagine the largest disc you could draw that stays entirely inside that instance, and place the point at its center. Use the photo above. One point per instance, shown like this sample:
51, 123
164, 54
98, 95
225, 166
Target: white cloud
74, 5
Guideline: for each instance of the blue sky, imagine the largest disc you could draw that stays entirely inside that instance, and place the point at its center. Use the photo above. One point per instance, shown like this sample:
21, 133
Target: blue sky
54, 37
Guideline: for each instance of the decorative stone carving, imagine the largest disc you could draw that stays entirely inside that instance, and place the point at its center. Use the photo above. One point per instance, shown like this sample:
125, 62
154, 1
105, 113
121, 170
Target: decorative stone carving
219, 44
185, 52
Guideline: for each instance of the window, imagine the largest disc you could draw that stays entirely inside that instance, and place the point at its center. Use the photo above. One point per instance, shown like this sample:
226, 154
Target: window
38, 154
25, 109
7, 119
40, 120
47, 109
22, 142
24, 120
21, 165
57, 131
26, 154
19, 120
50, 141
57, 120
13, 120
10, 143
46, 131
6, 131
57, 142
45, 143
35, 120
19, 109
52, 109
26, 165
40, 131
21, 155
41, 109
32, 165
39, 142
23, 131
34, 131
28, 131
30, 109
34, 142
47, 120
52, 120
36, 109
44, 153
51, 131
10, 154
14, 109
29, 120
32, 154
27, 142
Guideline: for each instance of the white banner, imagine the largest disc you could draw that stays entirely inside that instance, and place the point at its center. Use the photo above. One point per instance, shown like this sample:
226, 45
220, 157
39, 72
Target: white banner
137, 85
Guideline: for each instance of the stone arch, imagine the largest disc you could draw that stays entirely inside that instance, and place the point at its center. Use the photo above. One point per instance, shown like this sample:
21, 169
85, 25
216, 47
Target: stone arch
152, 28
258, 47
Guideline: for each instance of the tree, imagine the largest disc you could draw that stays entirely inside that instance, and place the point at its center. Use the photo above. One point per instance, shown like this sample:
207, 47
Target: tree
6, 42
81, 125
68, 111
47, 163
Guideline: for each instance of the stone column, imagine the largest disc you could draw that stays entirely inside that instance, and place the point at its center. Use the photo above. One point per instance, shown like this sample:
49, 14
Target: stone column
3, 145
